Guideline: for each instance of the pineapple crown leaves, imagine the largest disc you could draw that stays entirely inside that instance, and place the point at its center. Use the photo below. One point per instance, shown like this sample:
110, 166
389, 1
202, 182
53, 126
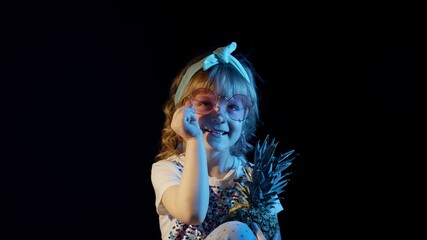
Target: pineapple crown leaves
266, 177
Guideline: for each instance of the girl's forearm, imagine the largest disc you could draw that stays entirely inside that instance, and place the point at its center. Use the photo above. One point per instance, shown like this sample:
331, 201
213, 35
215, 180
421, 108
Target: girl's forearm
193, 194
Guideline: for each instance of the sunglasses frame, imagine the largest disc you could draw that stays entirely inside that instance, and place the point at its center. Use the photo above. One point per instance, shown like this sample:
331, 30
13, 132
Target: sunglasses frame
217, 97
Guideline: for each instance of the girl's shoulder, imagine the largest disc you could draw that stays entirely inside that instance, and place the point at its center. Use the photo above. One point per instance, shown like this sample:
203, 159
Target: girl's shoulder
244, 162
243, 165
175, 161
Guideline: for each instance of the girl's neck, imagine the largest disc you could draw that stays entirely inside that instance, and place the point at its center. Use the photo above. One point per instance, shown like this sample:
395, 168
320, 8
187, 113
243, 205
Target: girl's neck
220, 165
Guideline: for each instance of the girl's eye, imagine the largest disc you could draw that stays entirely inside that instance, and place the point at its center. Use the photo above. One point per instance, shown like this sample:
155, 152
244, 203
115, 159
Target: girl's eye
233, 107
206, 103
202, 103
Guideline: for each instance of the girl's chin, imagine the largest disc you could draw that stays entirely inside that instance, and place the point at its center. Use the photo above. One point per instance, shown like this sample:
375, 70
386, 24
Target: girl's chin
218, 143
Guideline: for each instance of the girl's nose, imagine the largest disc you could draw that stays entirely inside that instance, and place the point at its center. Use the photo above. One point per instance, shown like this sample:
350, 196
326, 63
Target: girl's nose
220, 111
220, 101
220, 105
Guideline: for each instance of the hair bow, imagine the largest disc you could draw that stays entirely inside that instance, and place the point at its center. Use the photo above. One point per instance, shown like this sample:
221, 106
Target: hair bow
220, 55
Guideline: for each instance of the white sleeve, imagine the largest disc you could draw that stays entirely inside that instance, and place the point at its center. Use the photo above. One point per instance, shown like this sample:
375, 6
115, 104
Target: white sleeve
164, 174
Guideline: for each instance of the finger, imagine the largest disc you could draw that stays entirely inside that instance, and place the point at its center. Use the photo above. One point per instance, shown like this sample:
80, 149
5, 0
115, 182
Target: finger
258, 233
190, 115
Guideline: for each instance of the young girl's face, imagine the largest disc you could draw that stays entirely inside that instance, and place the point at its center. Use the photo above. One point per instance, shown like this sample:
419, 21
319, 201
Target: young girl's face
220, 117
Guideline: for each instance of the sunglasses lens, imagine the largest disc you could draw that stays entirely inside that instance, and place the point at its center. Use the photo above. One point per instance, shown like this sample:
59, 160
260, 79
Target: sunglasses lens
204, 101
239, 107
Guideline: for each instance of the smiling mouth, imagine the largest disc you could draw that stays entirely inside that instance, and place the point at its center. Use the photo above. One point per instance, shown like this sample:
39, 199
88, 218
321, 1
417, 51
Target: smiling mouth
215, 132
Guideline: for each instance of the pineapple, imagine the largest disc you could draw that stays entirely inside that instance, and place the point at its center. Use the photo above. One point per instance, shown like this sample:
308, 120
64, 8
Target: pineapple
265, 181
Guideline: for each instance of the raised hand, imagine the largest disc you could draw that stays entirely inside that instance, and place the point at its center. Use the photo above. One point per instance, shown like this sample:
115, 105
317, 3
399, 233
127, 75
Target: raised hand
185, 124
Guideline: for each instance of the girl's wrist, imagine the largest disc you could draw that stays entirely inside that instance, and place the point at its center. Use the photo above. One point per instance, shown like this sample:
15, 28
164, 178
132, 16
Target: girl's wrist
195, 139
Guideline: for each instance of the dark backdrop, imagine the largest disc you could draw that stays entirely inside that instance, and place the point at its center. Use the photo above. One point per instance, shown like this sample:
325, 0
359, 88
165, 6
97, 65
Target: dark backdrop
84, 88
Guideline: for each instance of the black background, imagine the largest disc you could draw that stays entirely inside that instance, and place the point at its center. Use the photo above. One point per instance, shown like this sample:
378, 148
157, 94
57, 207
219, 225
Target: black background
84, 86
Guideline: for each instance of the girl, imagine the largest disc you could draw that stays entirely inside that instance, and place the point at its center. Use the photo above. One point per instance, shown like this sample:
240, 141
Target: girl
211, 116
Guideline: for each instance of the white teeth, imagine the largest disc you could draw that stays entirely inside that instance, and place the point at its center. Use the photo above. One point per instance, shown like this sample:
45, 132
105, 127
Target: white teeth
218, 133
215, 132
